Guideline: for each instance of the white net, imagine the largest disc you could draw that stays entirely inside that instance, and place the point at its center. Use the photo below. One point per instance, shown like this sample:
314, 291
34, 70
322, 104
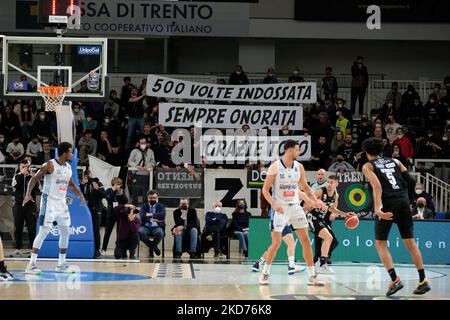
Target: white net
53, 96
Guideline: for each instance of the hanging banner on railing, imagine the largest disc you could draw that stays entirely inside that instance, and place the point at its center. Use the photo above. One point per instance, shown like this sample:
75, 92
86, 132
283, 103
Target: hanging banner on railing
173, 183
181, 115
299, 92
254, 148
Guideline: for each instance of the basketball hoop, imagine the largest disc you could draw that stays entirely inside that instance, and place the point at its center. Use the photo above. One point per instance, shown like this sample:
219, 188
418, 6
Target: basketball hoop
53, 96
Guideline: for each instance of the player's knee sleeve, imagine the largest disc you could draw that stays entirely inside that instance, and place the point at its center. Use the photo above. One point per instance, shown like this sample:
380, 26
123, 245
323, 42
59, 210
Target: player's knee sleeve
40, 237
63, 237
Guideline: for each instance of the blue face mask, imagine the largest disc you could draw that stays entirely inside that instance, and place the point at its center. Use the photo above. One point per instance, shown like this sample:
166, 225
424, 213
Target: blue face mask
242, 206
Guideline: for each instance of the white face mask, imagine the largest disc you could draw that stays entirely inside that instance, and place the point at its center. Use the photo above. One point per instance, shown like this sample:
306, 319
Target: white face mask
399, 136
107, 120
42, 118
25, 109
143, 147
238, 72
295, 72
377, 125
285, 132
419, 191
217, 209
390, 105
89, 119
444, 138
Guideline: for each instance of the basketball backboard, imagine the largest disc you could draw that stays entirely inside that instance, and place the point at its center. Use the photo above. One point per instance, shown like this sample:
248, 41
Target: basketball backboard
77, 63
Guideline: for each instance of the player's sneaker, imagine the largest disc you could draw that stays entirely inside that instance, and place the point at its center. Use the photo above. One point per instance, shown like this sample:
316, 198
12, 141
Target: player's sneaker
314, 281
423, 287
295, 269
324, 269
5, 275
258, 264
299, 269
394, 286
264, 279
31, 269
64, 268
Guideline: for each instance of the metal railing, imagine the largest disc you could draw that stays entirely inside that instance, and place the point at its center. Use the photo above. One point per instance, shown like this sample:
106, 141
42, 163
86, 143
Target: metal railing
438, 189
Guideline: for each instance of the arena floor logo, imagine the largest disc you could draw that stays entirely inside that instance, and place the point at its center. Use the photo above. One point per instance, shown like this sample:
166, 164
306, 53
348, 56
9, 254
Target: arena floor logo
72, 230
357, 197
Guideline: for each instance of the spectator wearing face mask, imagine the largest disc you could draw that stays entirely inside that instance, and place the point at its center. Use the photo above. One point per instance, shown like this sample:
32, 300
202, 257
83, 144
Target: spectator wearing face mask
295, 76
394, 97
420, 192
365, 129
15, 151
342, 124
420, 211
215, 225
240, 224
153, 217
406, 147
112, 107
238, 77
270, 77
186, 230
341, 165
89, 123
87, 146
26, 119
34, 147
110, 126
391, 128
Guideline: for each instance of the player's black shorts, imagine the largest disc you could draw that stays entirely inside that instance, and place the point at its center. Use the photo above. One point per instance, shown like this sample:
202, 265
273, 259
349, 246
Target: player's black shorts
402, 216
317, 224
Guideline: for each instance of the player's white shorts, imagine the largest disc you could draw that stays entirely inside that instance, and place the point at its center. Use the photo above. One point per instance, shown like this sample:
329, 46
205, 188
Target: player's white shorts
53, 210
293, 215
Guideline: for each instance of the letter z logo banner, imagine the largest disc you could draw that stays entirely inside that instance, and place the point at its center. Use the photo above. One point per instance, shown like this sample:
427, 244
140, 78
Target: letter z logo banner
233, 185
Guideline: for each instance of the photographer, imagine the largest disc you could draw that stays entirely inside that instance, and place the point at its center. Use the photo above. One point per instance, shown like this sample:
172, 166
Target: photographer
93, 192
25, 213
114, 197
128, 230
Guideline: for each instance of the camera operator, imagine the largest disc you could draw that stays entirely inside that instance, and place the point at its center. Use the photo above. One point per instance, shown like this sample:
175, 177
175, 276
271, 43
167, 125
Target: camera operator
94, 193
128, 230
26, 213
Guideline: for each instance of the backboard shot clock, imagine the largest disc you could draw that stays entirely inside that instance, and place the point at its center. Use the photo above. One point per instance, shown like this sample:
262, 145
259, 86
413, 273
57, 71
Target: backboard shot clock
57, 13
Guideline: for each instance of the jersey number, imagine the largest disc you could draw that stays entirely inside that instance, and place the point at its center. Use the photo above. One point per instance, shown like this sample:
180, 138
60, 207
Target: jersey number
392, 180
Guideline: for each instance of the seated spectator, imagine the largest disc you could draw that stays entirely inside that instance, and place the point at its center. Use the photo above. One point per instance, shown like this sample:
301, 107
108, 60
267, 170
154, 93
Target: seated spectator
320, 154
148, 134
127, 233
110, 126
378, 133
42, 126
87, 145
186, 230
116, 158
391, 128
165, 155
15, 151
114, 198
397, 154
338, 140
215, 225
342, 123
406, 147
341, 106
348, 150
26, 119
341, 166
421, 193
46, 154
89, 124
420, 211
240, 223
270, 77
34, 147
153, 217
104, 147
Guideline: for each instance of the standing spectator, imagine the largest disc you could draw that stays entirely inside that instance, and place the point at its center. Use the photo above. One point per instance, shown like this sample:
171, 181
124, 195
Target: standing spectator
360, 82
26, 213
153, 216
9, 123
323, 128
342, 123
215, 225
127, 231
186, 229
337, 141
26, 119
143, 160
406, 147
341, 105
394, 96
420, 192
330, 85
296, 77
94, 193
421, 211
136, 116
270, 77
365, 129
238, 77
348, 150
87, 146
113, 107
408, 102
34, 147
15, 151
116, 158
125, 94
240, 224
391, 128
114, 197
320, 154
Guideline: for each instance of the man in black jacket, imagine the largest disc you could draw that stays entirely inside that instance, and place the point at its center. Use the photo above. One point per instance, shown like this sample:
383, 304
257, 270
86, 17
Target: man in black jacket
186, 229
360, 82
25, 213
238, 77
94, 193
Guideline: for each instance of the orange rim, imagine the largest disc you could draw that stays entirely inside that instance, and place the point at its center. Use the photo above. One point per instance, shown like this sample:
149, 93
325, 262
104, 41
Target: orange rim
52, 91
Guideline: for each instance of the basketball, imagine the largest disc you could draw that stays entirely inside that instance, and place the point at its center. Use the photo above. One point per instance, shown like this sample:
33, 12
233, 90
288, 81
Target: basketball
351, 222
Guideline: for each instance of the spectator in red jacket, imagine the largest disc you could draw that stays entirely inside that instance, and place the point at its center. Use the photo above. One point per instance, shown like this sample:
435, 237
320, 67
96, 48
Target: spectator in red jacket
406, 147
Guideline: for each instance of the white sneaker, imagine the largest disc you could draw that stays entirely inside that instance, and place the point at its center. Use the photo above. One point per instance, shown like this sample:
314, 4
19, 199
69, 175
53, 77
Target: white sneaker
5, 275
314, 281
325, 269
299, 269
31, 269
103, 253
64, 268
264, 279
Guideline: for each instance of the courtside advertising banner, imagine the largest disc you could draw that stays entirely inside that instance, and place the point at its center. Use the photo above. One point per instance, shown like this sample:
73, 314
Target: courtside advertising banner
242, 148
299, 92
180, 115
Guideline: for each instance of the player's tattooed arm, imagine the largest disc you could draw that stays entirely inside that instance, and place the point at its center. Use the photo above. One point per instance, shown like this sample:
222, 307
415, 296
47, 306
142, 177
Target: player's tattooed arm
377, 191
45, 169
76, 191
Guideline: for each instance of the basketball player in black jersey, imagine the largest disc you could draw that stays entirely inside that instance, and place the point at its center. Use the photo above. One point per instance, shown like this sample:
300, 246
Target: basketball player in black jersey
391, 183
321, 228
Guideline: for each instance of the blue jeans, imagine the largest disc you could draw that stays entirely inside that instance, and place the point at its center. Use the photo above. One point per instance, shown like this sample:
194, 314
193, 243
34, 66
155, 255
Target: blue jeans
193, 235
133, 125
243, 239
145, 232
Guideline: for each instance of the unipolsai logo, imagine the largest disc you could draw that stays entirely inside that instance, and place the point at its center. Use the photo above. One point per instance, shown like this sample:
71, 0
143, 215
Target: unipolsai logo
89, 50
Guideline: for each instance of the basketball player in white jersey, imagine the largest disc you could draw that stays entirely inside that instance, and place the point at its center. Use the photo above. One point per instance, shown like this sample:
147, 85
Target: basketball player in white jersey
287, 178
57, 175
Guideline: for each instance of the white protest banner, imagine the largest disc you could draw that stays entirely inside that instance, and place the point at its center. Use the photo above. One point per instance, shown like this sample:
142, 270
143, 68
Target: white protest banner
299, 92
241, 148
181, 115
103, 171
